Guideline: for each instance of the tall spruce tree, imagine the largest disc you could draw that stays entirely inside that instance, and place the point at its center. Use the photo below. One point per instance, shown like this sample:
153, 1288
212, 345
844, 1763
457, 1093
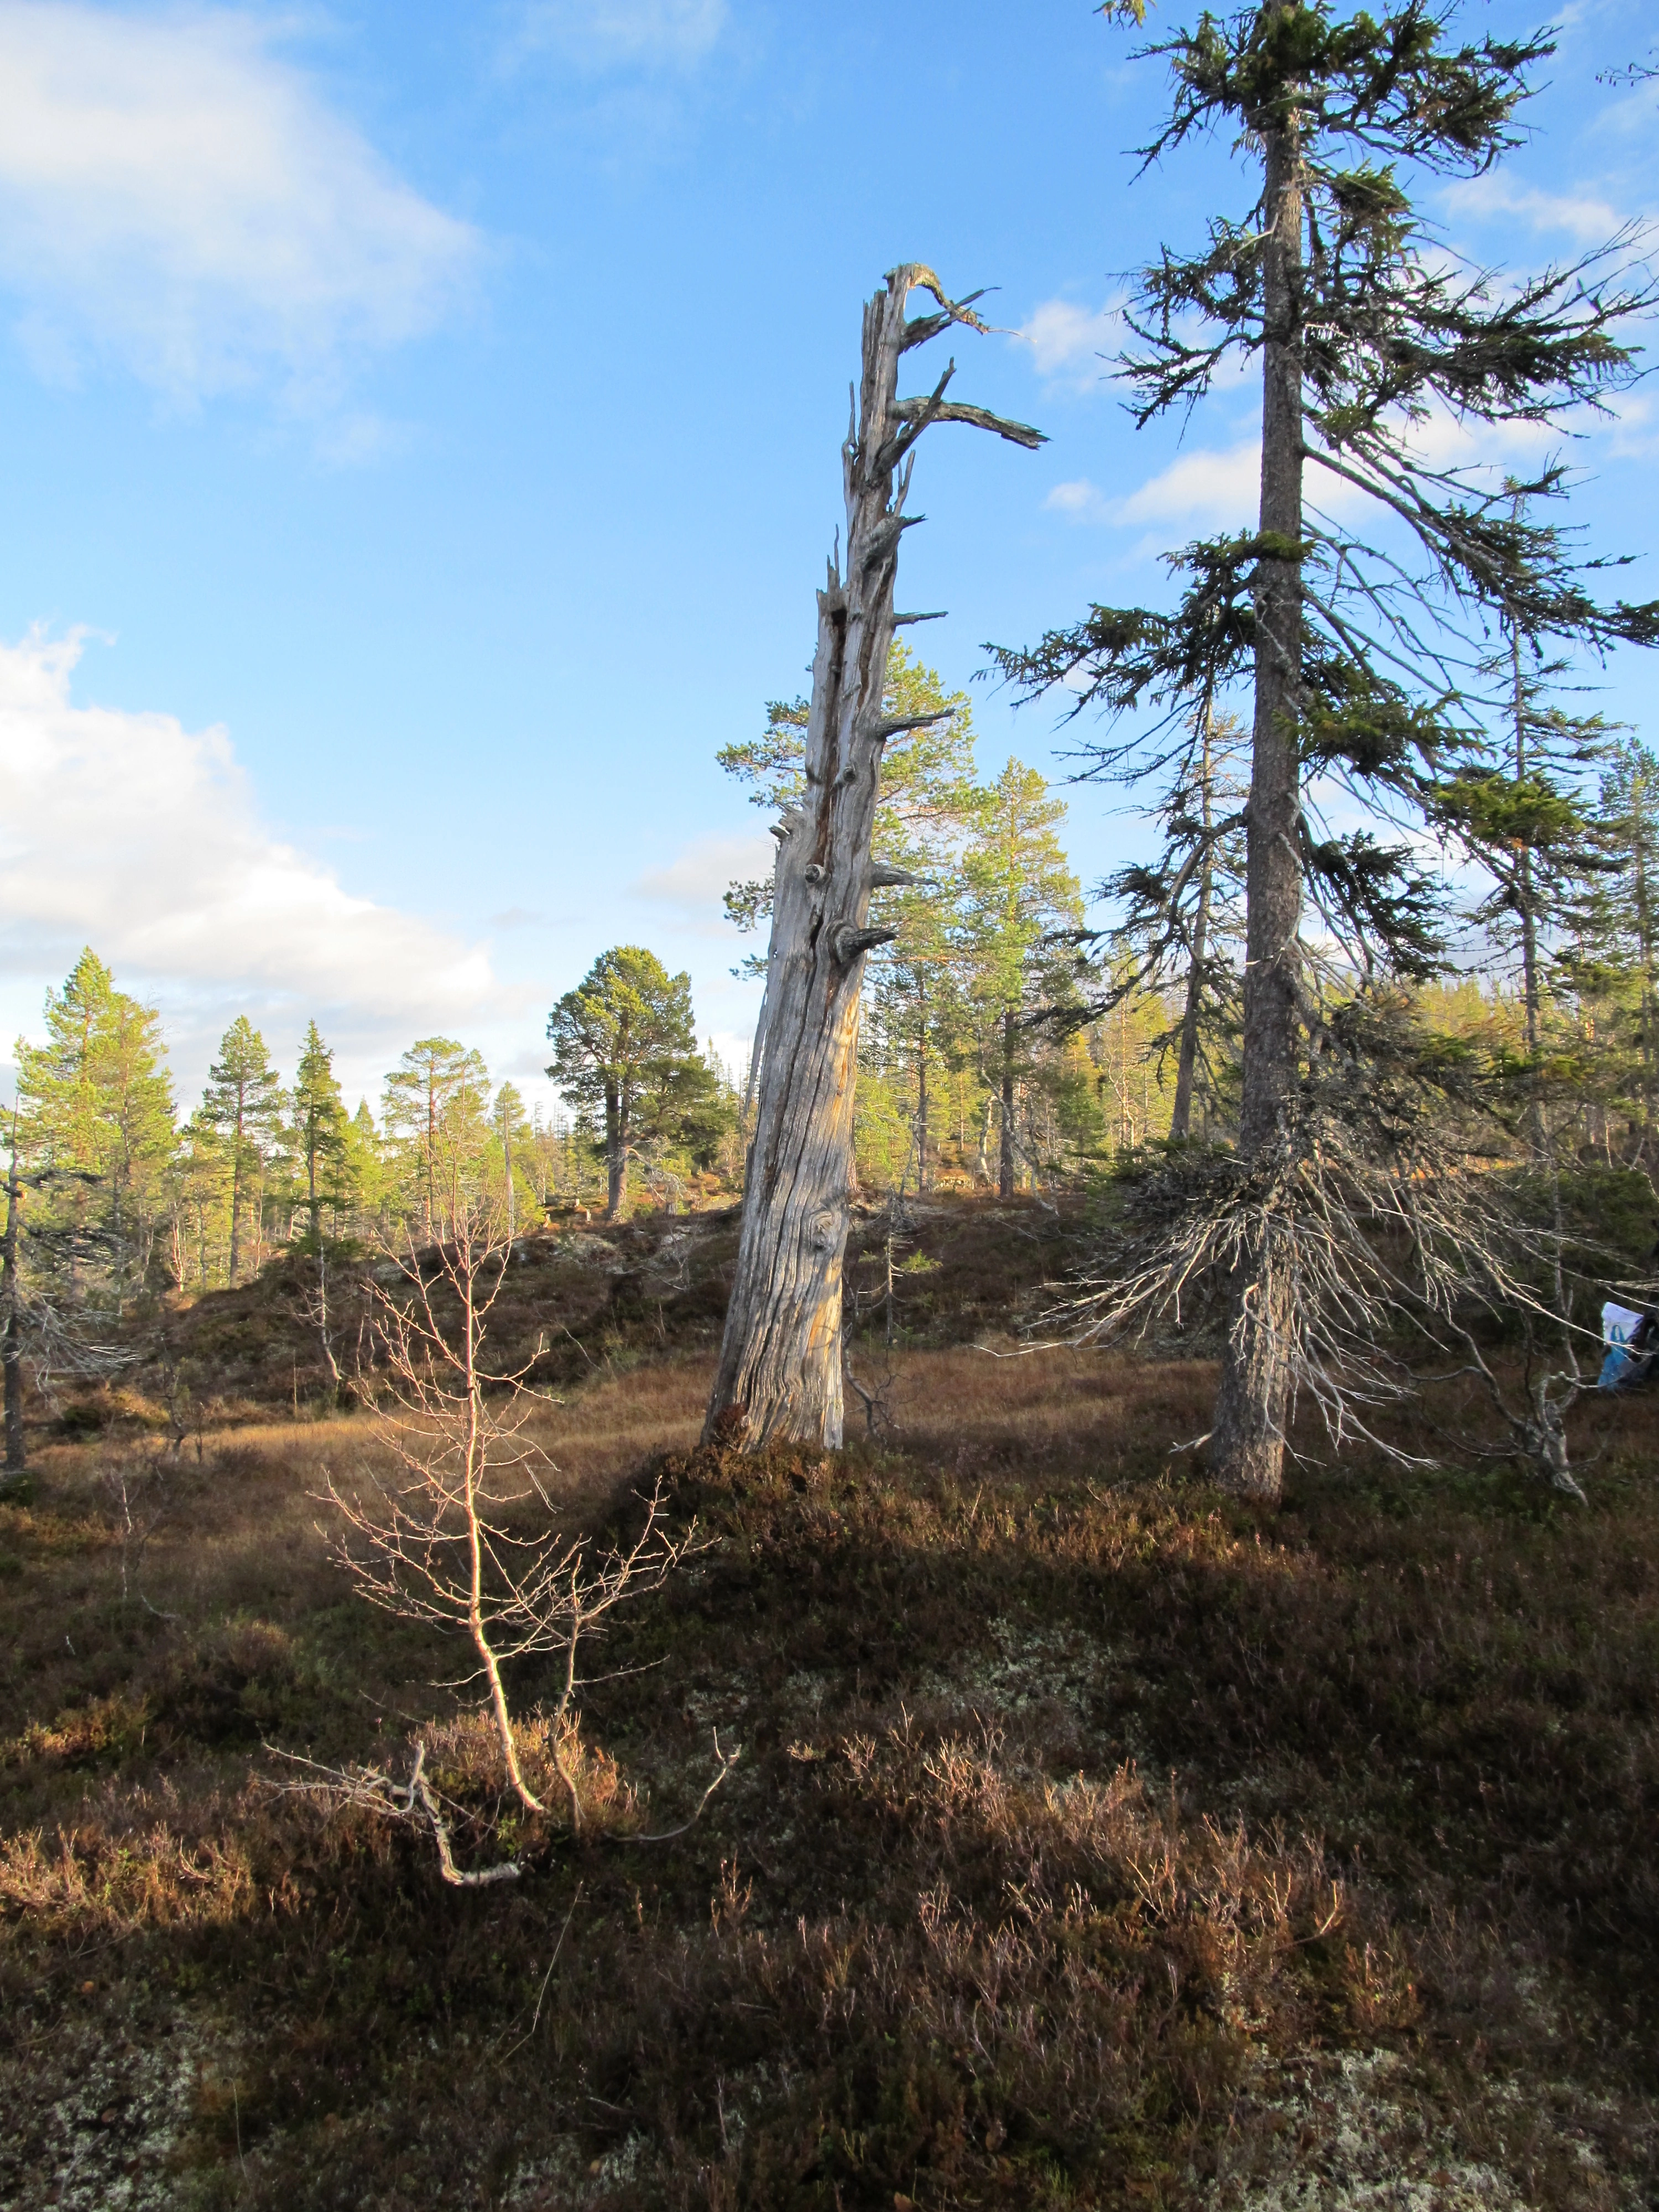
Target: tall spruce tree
1364, 328
1525, 808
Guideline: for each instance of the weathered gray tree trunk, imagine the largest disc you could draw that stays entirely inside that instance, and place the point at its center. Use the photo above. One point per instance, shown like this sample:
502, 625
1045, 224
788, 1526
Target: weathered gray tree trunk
1246, 1450
780, 1373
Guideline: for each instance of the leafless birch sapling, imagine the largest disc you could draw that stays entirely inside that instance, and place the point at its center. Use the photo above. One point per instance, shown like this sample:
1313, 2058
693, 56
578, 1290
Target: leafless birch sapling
463, 1533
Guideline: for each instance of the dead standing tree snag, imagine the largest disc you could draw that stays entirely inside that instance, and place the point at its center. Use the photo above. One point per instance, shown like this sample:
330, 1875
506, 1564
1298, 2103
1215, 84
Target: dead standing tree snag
781, 1362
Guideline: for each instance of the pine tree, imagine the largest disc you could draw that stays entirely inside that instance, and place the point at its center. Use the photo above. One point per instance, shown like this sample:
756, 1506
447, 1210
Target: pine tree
318, 1129
436, 1099
928, 806
1021, 919
512, 1127
625, 1047
243, 1101
199, 1199
96, 1109
1628, 917
365, 1168
12, 1325
928, 796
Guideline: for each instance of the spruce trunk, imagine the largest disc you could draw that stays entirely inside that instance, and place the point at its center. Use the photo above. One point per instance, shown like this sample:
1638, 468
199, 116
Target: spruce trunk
780, 1373
1247, 1451
1181, 1114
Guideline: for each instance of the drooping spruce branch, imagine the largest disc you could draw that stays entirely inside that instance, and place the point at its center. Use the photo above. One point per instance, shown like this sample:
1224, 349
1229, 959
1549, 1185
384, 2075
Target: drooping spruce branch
1365, 643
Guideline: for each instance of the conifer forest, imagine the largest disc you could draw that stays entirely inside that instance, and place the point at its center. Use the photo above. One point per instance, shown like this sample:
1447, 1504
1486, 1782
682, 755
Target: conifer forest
1038, 1586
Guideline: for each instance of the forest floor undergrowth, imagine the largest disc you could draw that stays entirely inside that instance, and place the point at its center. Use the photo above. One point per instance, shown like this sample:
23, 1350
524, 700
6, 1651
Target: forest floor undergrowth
1096, 1840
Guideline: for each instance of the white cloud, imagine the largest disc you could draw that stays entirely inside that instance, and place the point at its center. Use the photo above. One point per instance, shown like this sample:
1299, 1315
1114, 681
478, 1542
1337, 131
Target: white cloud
1083, 501
695, 881
1445, 440
1632, 434
1219, 488
611, 33
1199, 487
129, 833
1583, 217
1069, 341
176, 198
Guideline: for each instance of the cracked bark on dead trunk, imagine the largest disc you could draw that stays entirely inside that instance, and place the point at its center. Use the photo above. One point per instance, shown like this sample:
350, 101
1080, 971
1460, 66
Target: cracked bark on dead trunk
780, 1373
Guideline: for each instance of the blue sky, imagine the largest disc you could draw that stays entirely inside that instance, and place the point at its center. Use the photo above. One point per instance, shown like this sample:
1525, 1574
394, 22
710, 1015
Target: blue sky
420, 449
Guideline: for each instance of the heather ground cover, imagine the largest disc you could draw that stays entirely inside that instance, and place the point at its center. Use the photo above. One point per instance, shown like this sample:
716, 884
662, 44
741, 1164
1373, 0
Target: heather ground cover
1095, 1840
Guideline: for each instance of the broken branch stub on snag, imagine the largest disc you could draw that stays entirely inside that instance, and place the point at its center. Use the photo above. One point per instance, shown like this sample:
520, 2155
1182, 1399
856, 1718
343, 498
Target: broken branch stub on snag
780, 1375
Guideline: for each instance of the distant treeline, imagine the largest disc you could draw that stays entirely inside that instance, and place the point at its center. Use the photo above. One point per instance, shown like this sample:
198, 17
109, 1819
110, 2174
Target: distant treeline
120, 1200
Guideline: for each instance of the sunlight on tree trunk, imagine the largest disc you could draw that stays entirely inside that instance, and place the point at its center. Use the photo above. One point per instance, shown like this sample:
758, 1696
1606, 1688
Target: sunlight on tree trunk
1246, 1450
780, 1372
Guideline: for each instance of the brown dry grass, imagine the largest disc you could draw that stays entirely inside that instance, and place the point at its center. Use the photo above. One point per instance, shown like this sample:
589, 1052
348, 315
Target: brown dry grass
1084, 1822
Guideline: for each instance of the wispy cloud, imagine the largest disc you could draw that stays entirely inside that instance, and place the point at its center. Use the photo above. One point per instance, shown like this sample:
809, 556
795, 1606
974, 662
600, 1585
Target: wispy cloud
695, 881
1446, 440
1583, 217
1220, 488
1073, 344
1201, 488
177, 199
1081, 499
1634, 431
613, 33
128, 832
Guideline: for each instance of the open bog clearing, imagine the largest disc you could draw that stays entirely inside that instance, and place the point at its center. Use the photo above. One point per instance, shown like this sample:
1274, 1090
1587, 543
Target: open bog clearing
1094, 1840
